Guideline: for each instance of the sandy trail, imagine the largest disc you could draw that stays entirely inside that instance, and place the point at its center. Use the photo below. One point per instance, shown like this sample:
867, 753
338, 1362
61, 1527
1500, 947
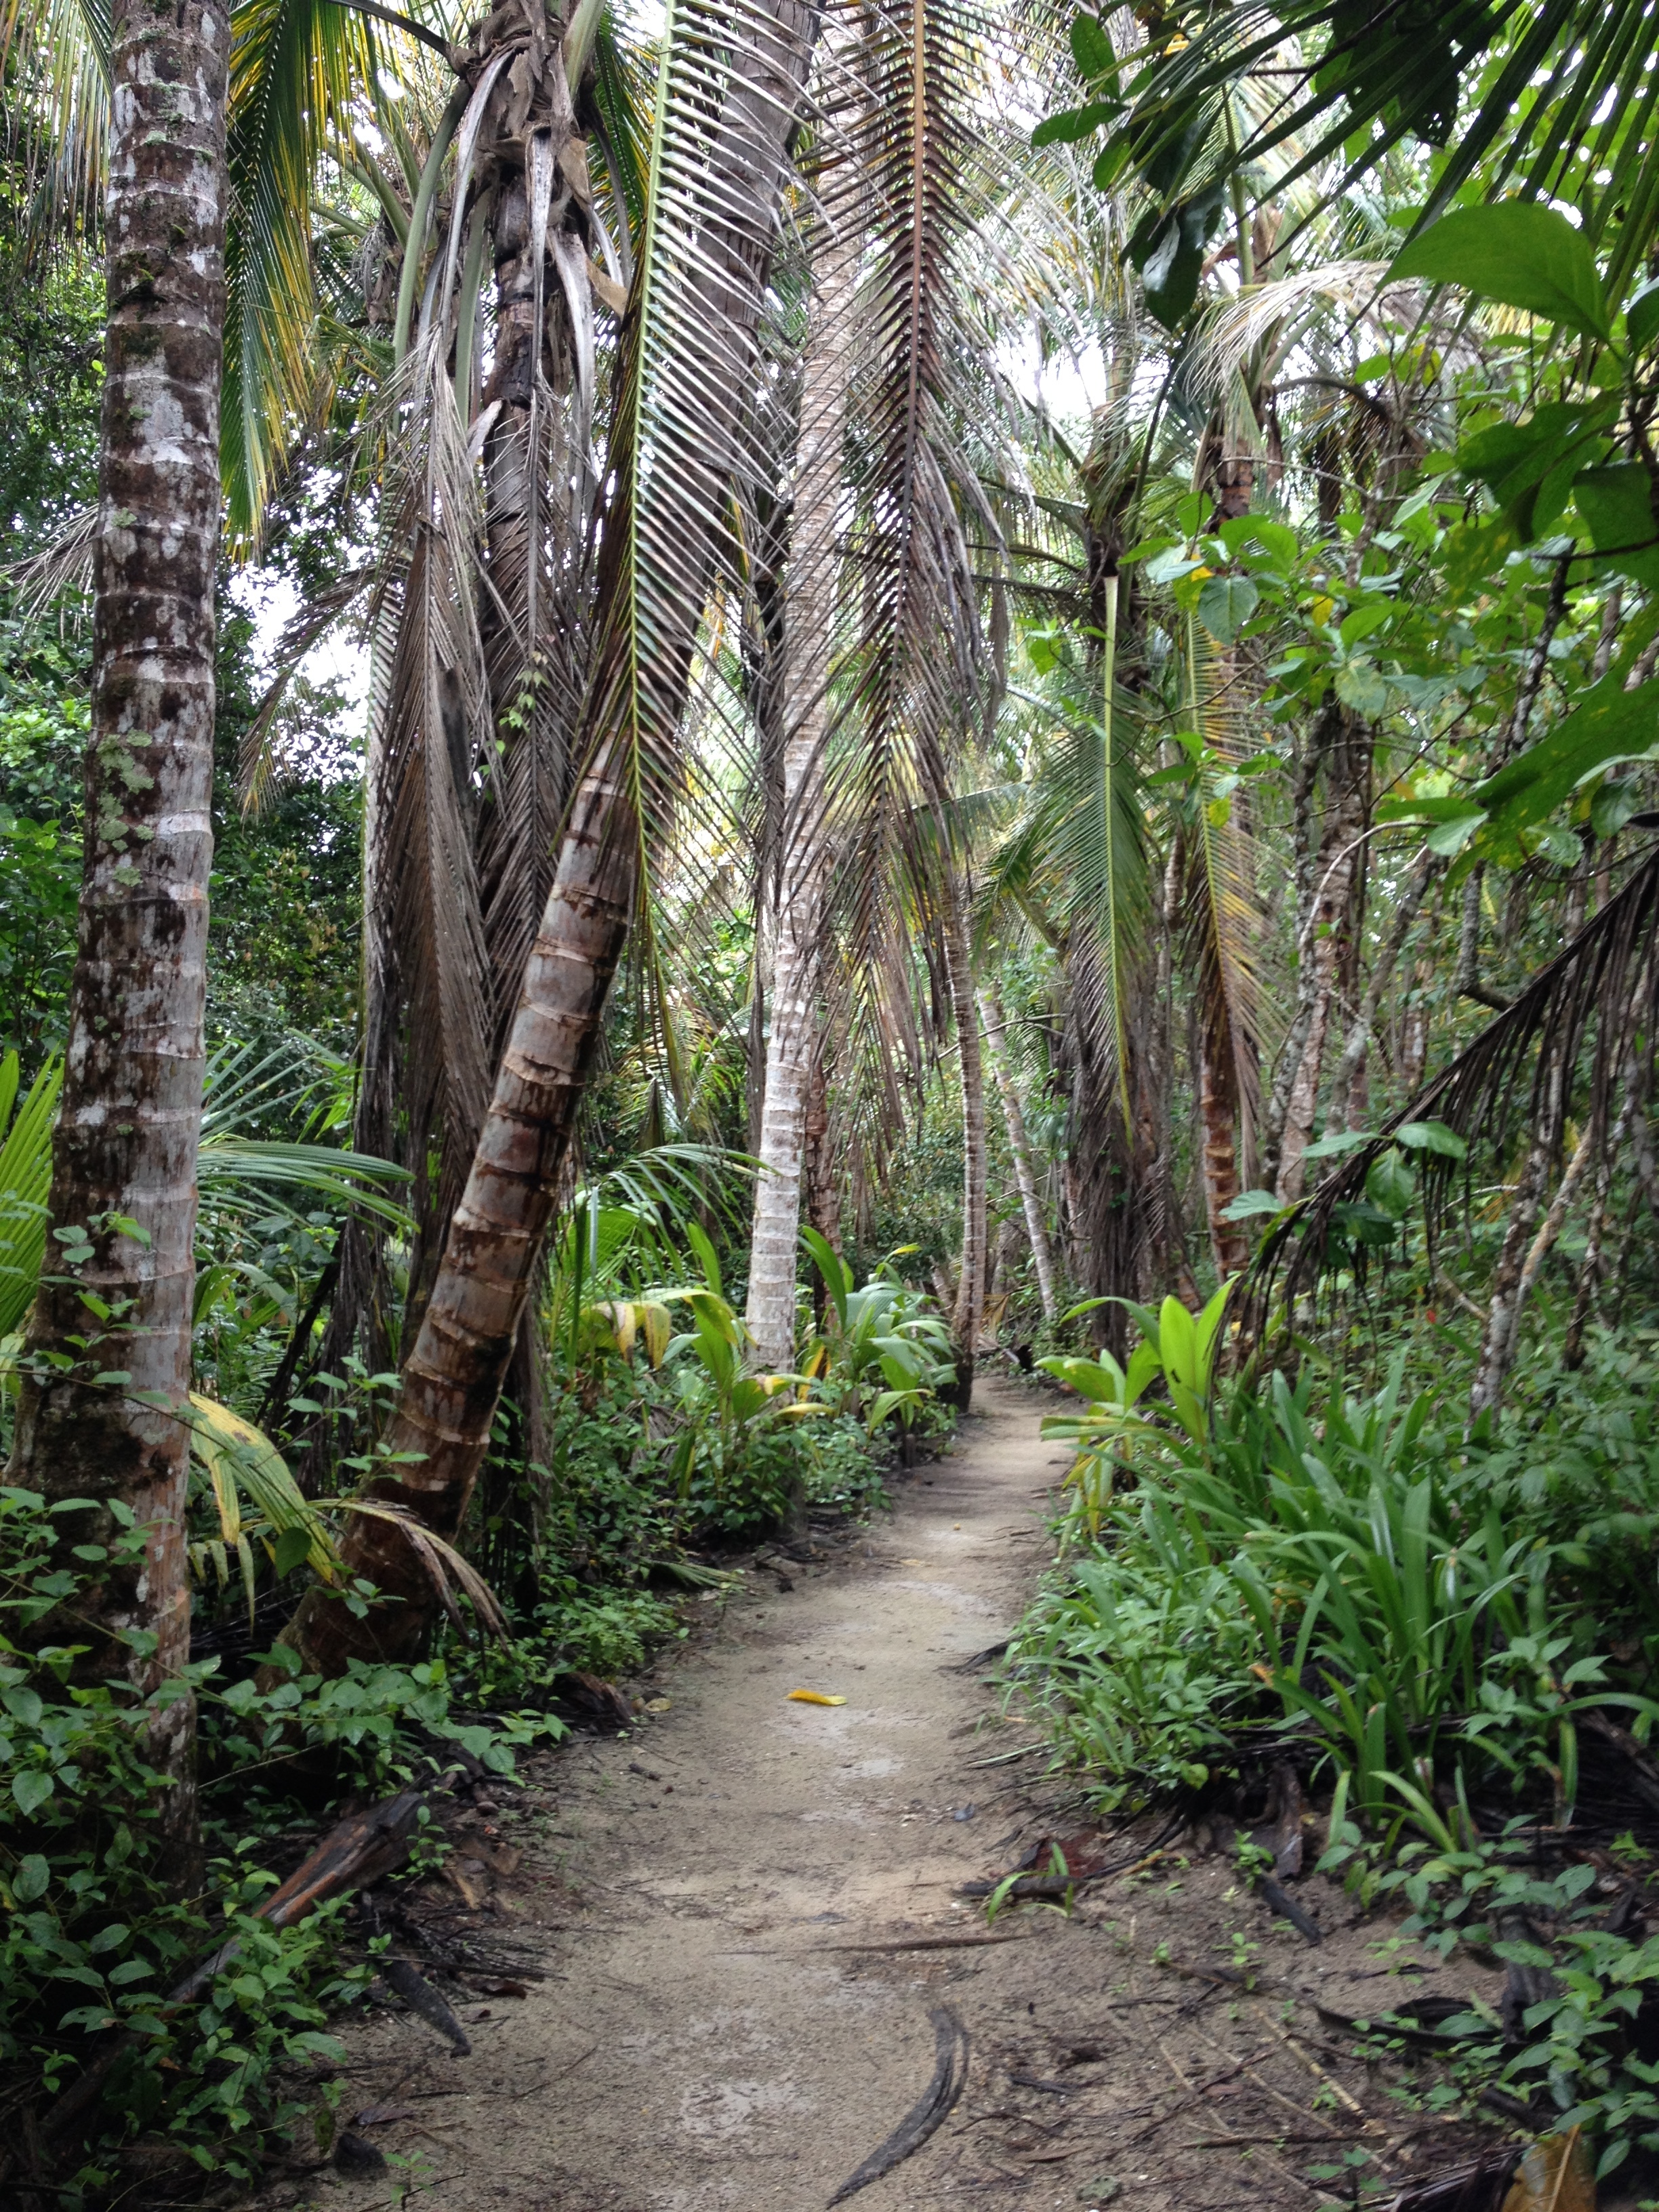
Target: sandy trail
709, 2038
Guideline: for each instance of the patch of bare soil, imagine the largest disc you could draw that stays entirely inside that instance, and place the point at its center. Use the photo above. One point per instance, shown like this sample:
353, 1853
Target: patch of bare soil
745, 1920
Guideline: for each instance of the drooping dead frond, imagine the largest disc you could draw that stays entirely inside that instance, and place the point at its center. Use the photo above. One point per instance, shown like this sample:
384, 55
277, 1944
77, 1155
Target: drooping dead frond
1486, 1088
422, 895
63, 565
1223, 923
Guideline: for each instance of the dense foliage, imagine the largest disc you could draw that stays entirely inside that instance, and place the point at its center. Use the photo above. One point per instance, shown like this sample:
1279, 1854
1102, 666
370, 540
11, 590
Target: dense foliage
1110, 679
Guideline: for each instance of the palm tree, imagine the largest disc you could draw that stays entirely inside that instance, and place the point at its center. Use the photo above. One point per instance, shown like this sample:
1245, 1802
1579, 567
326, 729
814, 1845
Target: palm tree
106, 1362
730, 87
808, 645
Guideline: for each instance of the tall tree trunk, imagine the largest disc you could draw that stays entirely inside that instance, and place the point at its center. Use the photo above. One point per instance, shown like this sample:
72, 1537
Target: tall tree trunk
809, 632
823, 1184
1230, 1247
1346, 752
1043, 1252
452, 1379
1347, 1104
124, 1160
970, 1281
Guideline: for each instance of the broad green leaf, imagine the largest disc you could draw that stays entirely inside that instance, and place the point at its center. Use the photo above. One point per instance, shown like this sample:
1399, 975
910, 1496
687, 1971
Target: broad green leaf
1391, 1185
1617, 502
1091, 50
1248, 1203
1363, 1224
1518, 252
1431, 1137
31, 1879
31, 1788
23, 1704
1074, 122
1530, 467
1608, 723
1226, 604
1336, 1142
1360, 685
1641, 318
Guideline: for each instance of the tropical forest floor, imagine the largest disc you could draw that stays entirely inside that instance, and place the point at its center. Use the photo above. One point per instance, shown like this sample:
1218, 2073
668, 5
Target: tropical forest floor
738, 1918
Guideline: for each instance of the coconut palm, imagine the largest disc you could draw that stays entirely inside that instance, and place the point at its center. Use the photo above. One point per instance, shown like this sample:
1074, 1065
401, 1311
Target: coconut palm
729, 92
106, 1361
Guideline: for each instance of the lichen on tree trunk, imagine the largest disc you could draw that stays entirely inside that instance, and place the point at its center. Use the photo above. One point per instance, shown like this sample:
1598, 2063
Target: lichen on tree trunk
123, 1158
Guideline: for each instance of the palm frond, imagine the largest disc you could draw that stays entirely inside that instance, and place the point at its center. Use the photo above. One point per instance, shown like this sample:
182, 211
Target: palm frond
1555, 94
1223, 923
55, 58
1588, 984
298, 68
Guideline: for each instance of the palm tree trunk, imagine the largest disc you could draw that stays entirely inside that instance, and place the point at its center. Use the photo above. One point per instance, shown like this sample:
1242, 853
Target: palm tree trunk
970, 1281
808, 645
452, 1380
1230, 1247
124, 1166
1043, 1252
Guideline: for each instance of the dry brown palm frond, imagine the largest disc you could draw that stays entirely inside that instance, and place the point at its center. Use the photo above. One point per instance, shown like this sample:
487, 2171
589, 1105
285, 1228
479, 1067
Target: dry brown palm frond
1222, 922
422, 896
445, 1567
63, 565
1487, 1087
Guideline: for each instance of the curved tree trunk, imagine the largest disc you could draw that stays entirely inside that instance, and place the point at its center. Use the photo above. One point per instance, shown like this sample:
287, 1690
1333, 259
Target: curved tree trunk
1043, 1252
452, 1379
124, 1161
809, 630
970, 1281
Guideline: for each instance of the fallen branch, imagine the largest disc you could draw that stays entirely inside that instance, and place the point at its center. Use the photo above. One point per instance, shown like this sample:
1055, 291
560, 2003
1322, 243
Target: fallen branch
354, 1853
930, 2110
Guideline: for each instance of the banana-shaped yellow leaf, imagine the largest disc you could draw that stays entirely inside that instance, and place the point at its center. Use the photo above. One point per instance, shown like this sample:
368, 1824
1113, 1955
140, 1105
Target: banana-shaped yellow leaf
242, 1462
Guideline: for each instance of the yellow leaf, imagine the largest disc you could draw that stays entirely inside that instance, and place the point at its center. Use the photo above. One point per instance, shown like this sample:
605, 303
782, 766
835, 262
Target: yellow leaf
813, 1697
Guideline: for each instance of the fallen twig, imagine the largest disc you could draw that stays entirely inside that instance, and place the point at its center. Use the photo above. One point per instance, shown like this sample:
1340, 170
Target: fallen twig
926, 1943
930, 2110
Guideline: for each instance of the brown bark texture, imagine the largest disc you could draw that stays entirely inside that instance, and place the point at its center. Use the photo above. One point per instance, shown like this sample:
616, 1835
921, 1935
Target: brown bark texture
452, 1379
124, 1160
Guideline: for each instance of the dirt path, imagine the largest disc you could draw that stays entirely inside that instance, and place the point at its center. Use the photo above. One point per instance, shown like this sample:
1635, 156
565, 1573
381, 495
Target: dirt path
708, 2037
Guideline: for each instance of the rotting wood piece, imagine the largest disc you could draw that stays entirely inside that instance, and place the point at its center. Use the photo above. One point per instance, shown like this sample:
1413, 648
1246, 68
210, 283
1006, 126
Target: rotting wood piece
930, 2110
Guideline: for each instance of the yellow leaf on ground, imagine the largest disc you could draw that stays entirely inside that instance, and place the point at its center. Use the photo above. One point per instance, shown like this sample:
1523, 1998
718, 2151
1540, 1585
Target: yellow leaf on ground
813, 1697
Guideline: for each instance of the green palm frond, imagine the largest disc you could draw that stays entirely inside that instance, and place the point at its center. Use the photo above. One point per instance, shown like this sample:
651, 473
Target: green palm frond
54, 57
1553, 96
25, 1185
298, 69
